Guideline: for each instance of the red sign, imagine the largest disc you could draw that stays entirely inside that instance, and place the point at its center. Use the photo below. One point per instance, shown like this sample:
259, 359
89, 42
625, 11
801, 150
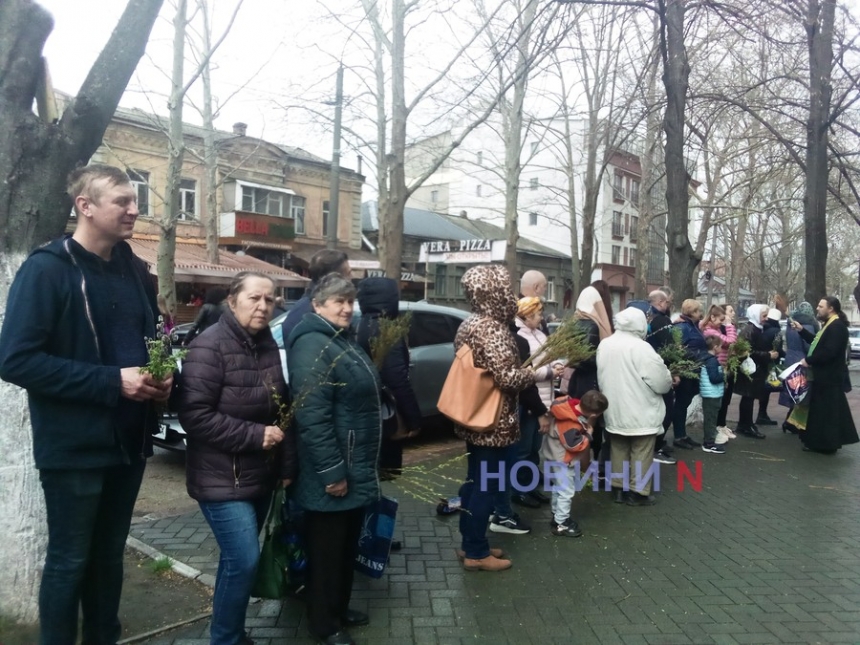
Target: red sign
248, 226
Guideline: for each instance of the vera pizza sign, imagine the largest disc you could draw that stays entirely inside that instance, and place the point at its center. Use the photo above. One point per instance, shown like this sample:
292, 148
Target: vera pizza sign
462, 251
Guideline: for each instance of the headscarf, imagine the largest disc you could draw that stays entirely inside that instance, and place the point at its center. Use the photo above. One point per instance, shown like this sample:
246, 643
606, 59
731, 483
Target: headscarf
805, 308
589, 306
754, 314
528, 306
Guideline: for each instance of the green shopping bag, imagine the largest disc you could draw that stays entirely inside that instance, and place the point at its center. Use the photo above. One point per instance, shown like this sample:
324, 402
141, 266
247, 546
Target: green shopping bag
272, 571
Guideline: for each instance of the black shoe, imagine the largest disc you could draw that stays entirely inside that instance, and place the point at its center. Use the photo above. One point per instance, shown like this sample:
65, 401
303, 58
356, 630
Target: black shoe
617, 495
750, 431
635, 499
396, 545
525, 500
338, 638
686, 443
540, 496
787, 427
353, 618
764, 420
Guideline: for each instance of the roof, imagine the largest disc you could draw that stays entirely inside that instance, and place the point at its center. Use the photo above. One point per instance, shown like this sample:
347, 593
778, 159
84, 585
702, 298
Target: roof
429, 225
193, 266
156, 122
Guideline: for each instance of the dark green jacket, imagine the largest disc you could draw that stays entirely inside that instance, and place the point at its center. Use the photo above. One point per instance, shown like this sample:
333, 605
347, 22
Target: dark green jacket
338, 420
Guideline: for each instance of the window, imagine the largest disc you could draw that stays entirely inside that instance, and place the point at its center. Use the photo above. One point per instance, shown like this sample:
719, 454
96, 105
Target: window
478, 190
534, 147
432, 329
634, 192
617, 224
633, 257
440, 284
618, 188
140, 181
480, 158
533, 219
534, 183
325, 218
264, 201
550, 290
434, 196
626, 256
634, 228
187, 199
616, 254
626, 223
297, 212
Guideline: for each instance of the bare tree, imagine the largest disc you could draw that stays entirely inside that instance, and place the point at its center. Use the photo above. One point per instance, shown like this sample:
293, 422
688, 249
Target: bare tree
38, 153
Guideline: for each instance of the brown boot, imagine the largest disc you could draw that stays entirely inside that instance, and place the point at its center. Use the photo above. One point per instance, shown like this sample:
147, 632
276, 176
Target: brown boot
496, 553
490, 563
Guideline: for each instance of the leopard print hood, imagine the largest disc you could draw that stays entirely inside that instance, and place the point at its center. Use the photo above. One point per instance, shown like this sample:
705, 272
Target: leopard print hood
488, 290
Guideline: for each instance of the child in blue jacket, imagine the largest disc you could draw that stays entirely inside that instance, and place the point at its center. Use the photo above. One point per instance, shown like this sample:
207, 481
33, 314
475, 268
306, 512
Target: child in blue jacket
711, 387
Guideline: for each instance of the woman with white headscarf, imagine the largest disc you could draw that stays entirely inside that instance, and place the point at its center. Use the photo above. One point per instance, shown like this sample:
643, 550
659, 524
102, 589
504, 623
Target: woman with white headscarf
592, 318
750, 387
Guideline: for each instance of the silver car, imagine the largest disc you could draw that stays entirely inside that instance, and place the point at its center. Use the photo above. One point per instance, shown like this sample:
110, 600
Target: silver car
854, 340
431, 352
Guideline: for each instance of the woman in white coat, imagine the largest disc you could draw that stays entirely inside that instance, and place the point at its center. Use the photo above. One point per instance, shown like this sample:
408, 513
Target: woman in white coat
634, 378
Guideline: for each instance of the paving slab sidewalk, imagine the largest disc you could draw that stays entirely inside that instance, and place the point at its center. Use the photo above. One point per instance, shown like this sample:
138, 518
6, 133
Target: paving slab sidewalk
768, 551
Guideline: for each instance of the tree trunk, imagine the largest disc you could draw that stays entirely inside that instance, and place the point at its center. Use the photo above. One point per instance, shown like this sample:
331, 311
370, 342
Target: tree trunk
210, 154
166, 258
35, 159
819, 33
589, 204
512, 119
391, 213
676, 73
577, 279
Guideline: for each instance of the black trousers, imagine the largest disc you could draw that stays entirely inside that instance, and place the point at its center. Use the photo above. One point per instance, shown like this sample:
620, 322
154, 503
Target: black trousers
669, 402
746, 411
763, 400
331, 540
727, 401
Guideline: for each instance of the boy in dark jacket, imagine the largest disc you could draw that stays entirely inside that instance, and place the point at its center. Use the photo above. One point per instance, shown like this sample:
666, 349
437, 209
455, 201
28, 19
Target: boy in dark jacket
711, 387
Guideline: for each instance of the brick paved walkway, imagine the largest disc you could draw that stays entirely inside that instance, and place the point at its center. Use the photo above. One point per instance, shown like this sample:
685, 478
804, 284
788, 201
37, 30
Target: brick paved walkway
767, 552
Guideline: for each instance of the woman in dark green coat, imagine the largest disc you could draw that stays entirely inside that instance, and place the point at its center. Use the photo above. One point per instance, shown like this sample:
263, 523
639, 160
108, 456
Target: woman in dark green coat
339, 425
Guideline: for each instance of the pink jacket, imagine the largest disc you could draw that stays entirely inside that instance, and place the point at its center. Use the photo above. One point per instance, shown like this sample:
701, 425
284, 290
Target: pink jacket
728, 338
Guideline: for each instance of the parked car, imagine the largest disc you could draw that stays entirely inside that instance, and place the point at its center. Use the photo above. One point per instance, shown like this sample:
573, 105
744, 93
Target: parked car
431, 352
854, 340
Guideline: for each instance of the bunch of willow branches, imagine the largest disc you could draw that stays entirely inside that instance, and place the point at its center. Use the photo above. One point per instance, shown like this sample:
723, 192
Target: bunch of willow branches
568, 343
391, 332
677, 359
738, 351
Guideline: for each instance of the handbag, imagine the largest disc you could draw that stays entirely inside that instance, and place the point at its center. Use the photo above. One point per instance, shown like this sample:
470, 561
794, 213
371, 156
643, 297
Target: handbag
272, 579
469, 396
374, 540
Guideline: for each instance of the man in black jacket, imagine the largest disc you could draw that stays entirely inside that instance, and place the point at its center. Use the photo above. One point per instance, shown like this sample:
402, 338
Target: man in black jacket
77, 316
322, 263
659, 335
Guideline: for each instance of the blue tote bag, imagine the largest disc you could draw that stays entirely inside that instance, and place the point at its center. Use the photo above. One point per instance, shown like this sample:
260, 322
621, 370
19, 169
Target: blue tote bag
374, 541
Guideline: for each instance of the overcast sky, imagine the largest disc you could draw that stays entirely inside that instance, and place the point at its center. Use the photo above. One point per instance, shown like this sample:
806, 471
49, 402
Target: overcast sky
261, 45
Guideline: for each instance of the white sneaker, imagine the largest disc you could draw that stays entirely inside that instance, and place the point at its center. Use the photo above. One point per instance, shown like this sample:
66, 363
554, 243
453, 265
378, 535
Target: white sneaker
721, 437
728, 432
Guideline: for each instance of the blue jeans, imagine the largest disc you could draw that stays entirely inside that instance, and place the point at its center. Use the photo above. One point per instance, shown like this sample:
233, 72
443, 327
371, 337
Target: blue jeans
89, 514
477, 504
502, 500
236, 526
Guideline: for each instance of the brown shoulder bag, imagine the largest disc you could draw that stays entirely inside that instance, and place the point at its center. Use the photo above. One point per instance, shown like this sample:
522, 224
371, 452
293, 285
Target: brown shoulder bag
470, 397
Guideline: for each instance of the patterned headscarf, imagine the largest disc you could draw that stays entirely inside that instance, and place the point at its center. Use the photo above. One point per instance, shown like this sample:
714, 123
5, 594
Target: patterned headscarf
805, 308
528, 306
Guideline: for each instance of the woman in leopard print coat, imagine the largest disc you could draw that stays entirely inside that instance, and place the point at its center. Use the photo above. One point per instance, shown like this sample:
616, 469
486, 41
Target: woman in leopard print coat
487, 332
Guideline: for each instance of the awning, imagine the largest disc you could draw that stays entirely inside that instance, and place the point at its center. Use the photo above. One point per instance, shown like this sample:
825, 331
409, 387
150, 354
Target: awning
358, 258
191, 265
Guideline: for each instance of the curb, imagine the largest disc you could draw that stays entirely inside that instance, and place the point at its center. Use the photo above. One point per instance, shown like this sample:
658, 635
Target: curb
179, 567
